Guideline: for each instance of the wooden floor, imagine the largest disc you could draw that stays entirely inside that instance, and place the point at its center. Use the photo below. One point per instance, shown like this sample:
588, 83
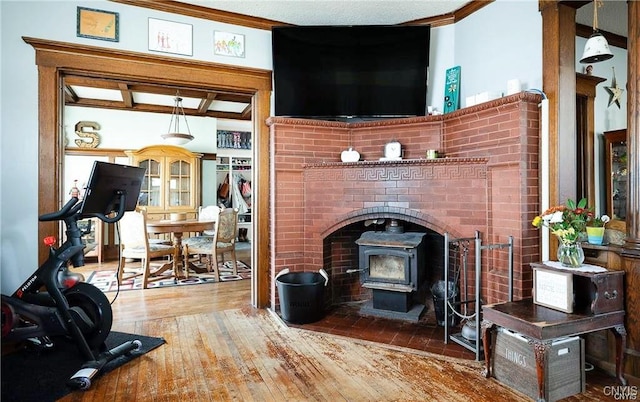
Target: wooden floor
220, 348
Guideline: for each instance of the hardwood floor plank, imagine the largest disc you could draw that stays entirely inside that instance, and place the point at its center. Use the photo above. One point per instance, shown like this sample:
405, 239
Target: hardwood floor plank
249, 382
240, 358
239, 319
255, 349
333, 384
272, 374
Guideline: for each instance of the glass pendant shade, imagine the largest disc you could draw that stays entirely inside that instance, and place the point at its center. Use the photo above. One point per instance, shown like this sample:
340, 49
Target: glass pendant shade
174, 136
177, 138
596, 49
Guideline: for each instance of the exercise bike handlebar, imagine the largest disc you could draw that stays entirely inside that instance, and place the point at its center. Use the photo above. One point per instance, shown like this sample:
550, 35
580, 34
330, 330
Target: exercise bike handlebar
73, 206
66, 211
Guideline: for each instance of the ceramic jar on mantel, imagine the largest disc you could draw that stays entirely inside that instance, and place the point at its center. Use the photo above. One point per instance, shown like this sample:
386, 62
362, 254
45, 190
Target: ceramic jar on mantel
350, 155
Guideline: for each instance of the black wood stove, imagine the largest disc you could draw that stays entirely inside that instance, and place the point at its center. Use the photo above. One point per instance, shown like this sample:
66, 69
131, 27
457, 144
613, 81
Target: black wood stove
392, 265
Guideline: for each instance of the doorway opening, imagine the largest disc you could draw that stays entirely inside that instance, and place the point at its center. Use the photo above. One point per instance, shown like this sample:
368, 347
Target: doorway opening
58, 59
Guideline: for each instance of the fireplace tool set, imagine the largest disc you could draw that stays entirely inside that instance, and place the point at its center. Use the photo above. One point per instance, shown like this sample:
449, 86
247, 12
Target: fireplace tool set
470, 336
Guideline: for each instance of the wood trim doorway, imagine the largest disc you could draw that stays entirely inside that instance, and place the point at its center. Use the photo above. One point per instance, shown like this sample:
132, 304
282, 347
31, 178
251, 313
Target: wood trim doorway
55, 59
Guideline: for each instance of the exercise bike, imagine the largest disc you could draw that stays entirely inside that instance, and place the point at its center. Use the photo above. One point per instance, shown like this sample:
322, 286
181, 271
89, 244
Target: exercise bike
53, 302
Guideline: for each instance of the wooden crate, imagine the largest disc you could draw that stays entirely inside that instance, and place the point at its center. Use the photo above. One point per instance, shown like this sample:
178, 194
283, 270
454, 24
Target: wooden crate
514, 364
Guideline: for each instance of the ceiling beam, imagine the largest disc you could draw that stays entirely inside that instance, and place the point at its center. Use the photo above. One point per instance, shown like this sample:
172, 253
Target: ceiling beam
128, 89
205, 103
246, 113
616, 40
143, 107
127, 96
70, 95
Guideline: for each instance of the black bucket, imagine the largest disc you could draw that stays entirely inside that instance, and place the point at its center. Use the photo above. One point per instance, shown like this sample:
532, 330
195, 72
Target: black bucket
437, 290
301, 296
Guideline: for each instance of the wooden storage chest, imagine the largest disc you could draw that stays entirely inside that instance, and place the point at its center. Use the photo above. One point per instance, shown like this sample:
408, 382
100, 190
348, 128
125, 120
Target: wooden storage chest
594, 292
514, 364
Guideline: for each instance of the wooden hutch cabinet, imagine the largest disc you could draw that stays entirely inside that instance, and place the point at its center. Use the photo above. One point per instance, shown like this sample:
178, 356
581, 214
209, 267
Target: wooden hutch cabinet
172, 181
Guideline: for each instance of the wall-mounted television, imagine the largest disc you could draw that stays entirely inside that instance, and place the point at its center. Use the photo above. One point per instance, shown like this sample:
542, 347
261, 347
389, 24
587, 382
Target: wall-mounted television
339, 72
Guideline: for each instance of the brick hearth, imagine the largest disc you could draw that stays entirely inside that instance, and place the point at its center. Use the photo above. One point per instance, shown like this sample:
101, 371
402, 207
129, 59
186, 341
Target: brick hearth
487, 181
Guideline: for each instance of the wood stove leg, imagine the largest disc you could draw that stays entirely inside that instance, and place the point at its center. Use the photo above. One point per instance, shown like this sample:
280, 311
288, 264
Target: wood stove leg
540, 350
620, 334
487, 328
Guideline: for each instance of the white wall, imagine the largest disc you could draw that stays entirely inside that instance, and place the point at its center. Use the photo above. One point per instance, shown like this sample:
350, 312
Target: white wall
441, 57
121, 129
509, 29
499, 42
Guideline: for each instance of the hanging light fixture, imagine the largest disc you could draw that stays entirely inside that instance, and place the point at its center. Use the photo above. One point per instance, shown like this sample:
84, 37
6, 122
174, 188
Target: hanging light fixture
596, 49
174, 136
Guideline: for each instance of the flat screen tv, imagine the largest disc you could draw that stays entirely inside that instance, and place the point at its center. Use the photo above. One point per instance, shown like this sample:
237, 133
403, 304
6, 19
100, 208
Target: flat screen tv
350, 71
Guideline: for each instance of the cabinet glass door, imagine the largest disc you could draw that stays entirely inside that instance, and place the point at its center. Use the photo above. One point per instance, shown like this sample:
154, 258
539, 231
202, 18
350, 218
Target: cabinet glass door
616, 158
619, 180
179, 183
151, 184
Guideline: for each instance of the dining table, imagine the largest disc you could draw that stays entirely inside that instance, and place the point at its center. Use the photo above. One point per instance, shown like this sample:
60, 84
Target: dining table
178, 228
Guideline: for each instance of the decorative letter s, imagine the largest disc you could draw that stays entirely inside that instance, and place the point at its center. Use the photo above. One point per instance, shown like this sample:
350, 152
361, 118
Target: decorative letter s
95, 139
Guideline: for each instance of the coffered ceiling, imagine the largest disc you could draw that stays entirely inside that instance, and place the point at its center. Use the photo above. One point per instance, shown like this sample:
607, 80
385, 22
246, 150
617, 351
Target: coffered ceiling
144, 97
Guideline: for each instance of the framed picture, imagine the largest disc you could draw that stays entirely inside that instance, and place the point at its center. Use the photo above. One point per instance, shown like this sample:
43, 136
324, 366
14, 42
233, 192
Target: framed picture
228, 44
170, 37
97, 24
553, 289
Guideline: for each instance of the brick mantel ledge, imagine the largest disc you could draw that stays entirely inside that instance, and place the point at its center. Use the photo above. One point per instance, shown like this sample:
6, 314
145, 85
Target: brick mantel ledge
394, 122
417, 162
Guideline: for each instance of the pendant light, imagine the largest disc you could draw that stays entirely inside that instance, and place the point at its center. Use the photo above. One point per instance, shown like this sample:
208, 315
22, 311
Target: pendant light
596, 49
174, 136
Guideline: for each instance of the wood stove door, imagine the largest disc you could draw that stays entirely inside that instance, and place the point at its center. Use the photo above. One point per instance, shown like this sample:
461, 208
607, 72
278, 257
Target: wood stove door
388, 265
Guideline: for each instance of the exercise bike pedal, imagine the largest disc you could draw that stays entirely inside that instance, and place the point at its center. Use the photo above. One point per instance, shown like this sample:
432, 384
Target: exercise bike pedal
82, 378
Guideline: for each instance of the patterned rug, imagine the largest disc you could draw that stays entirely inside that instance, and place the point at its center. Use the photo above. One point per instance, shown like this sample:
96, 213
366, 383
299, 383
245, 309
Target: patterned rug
106, 280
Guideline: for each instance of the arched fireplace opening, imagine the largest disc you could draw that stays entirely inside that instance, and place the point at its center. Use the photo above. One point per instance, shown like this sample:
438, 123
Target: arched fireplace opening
384, 264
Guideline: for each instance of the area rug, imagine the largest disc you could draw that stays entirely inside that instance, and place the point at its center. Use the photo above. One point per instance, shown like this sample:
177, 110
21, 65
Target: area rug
107, 280
30, 375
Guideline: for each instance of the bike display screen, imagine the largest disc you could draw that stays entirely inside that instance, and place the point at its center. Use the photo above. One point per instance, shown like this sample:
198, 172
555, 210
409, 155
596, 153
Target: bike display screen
107, 182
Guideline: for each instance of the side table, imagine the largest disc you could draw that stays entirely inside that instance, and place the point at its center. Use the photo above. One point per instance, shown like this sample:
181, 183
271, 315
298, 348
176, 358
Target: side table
541, 325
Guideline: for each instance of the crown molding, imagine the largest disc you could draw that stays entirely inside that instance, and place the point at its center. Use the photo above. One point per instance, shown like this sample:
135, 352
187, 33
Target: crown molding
227, 17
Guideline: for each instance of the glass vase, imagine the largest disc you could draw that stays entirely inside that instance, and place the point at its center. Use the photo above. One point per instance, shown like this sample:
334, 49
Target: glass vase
570, 255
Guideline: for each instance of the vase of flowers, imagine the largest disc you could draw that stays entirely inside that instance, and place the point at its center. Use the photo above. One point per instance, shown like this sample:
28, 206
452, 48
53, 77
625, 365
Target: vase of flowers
595, 230
570, 255
567, 223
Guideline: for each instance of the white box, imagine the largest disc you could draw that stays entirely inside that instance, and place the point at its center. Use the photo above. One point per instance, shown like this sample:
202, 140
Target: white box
486, 96
513, 86
470, 101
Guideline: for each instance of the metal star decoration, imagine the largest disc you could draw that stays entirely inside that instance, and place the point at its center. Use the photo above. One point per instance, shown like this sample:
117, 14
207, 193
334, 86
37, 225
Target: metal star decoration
614, 91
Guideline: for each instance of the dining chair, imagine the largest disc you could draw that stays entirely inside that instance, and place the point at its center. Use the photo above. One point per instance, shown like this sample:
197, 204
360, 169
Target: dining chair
222, 242
208, 213
134, 244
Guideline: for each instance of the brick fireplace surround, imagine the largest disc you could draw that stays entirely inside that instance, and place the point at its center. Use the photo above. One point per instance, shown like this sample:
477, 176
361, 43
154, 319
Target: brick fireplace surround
486, 181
